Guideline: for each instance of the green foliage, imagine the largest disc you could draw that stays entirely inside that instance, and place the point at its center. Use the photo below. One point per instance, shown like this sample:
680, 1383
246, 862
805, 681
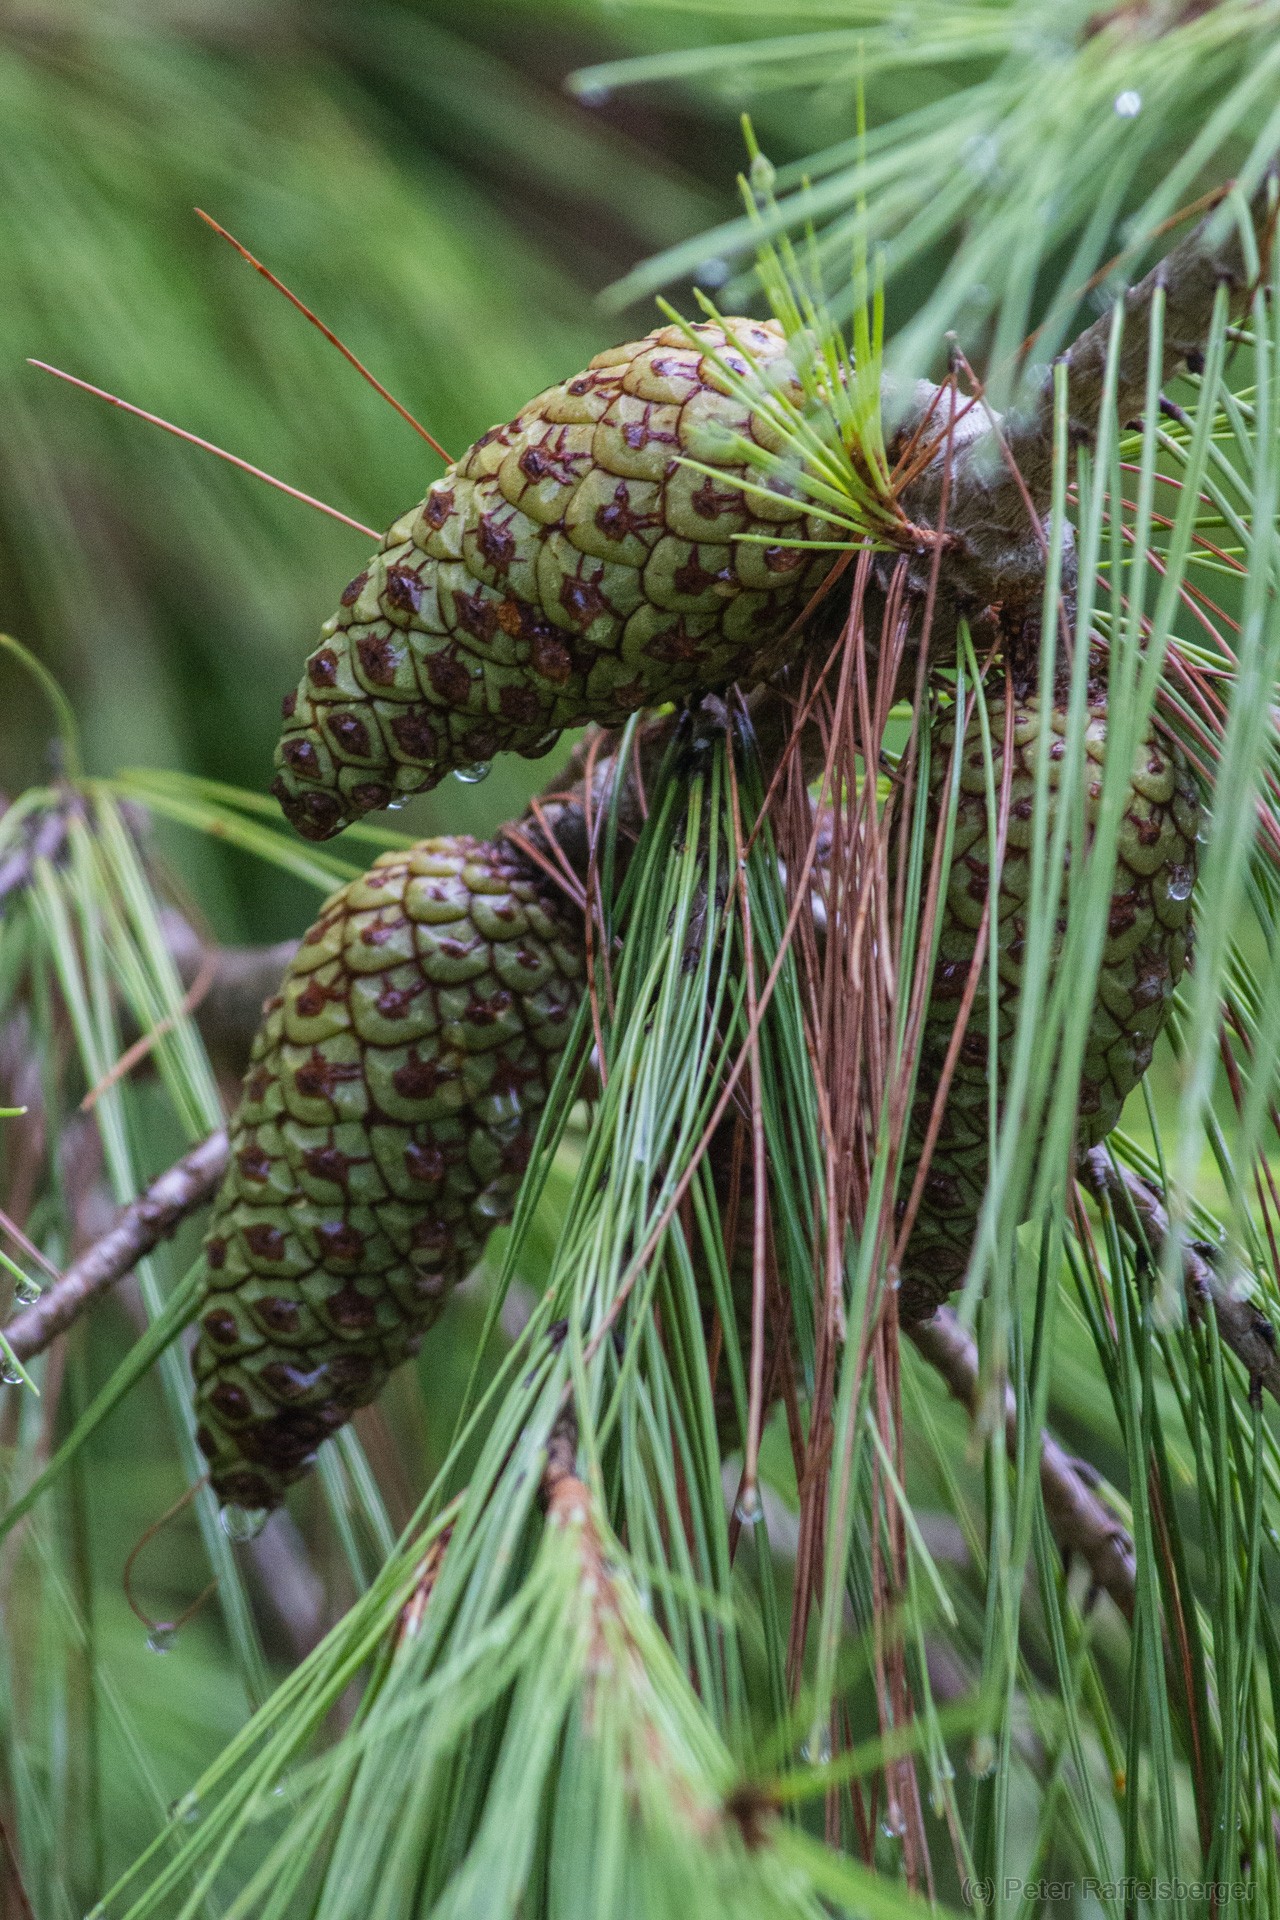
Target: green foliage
1014, 147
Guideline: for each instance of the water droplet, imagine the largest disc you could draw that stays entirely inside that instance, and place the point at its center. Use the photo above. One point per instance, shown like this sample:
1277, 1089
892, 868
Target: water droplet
712, 273
27, 1291
822, 1756
395, 806
186, 1809
894, 1824
594, 96
1204, 829
1181, 881
472, 776
494, 1203
9, 1374
749, 1510
161, 1637
1128, 104
498, 1109
982, 1757
243, 1523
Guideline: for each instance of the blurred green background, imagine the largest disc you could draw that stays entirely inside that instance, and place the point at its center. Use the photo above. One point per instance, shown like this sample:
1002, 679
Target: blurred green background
420, 176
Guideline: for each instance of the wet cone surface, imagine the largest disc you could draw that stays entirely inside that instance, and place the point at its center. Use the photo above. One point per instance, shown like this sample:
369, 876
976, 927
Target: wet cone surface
1148, 939
385, 1122
570, 567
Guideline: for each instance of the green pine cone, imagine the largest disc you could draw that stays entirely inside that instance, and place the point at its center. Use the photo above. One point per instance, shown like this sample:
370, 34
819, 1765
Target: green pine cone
1149, 937
568, 568
385, 1122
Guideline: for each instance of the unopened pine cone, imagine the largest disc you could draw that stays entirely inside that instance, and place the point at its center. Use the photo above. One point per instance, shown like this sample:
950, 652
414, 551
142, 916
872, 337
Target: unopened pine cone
385, 1122
570, 567
1148, 940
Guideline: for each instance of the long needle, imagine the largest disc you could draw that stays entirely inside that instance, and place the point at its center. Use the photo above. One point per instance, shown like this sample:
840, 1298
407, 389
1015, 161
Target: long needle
328, 332
193, 439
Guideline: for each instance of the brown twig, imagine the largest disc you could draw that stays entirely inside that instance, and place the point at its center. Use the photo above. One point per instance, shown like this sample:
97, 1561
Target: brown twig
1141, 1214
146, 1221
1079, 1520
995, 555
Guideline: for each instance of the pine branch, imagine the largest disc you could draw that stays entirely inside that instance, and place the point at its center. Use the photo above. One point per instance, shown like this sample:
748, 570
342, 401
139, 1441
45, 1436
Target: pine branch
142, 1225
999, 481
1081, 1523
1140, 1213
1212, 256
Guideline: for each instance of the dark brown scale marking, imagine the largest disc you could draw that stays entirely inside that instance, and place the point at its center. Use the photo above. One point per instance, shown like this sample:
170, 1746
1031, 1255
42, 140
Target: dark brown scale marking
379, 657
304, 760
449, 678
340, 1241
708, 502
290, 1383
551, 658
254, 1163
372, 795
318, 1078
403, 590
692, 577
519, 704
265, 1242
617, 517
312, 1001
425, 1163
222, 1327
676, 645
327, 1163
394, 1003
476, 614
582, 599
414, 734
278, 1314
351, 1309
497, 543
349, 735
417, 1079
231, 1401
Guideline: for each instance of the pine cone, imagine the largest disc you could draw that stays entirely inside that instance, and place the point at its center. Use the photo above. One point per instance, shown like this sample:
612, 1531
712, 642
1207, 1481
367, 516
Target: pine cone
386, 1118
1148, 940
568, 568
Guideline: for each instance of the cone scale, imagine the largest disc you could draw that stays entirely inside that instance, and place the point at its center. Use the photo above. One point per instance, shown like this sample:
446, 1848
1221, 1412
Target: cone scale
570, 567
